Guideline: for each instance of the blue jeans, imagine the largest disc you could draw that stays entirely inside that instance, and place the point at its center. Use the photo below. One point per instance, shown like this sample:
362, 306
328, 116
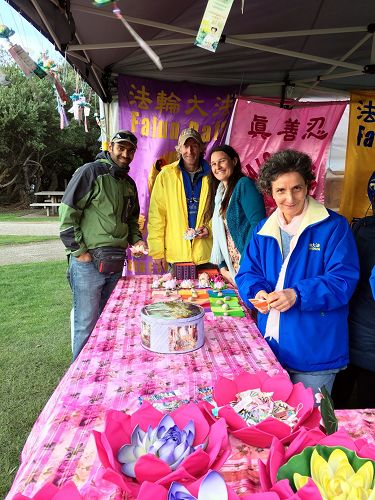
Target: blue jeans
91, 290
315, 380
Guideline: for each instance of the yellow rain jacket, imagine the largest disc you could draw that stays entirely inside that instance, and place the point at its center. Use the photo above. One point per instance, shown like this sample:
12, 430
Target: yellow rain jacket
168, 220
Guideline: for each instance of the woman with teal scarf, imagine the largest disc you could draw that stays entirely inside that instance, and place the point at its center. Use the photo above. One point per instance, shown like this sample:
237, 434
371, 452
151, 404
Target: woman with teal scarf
235, 206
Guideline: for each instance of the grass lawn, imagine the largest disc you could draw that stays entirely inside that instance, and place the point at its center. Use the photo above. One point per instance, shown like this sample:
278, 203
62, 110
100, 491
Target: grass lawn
35, 351
20, 240
27, 216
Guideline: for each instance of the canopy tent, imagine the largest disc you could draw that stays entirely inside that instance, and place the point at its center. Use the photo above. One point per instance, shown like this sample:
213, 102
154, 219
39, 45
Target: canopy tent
273, 48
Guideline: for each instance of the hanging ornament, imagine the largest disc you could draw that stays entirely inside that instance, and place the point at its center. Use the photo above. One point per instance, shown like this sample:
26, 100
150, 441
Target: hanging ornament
20, 56
25, 63
6, 32
80, 108
49, 66
61, 110
144, 46
46, 63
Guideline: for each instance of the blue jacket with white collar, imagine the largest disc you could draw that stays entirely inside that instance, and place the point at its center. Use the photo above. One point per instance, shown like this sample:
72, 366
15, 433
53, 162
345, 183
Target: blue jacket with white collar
323, 269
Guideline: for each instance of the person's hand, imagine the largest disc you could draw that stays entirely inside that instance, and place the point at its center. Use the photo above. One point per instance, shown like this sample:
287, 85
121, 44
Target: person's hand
84, 257
261, 295
282, 300
139, 249
161, 264
202, 232
227, 276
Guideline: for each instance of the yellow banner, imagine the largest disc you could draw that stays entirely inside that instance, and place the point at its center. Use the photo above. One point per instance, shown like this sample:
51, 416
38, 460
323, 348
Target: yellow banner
360, 155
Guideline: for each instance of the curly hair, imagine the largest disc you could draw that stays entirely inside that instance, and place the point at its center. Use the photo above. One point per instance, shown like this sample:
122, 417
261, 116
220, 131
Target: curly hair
284, 162
213, 182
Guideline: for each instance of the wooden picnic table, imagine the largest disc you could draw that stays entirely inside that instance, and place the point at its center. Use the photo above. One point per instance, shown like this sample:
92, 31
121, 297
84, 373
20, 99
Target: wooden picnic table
52, 200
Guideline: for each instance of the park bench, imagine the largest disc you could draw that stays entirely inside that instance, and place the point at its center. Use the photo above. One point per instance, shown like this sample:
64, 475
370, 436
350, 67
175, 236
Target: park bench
45, 204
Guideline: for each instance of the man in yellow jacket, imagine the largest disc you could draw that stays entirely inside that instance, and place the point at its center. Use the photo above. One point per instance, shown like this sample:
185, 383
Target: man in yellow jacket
178, 203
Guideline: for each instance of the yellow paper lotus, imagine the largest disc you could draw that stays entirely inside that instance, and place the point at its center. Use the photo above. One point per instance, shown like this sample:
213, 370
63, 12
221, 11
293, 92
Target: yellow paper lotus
336, 478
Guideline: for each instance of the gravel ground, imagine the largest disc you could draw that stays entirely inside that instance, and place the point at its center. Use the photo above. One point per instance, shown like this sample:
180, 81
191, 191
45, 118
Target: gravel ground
30, 228
31, 252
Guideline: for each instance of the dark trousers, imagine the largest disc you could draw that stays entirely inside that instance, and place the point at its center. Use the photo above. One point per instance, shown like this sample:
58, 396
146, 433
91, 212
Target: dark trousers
354, 388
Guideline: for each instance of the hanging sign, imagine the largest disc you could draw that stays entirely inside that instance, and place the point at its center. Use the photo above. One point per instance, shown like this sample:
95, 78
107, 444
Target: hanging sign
214, 18
259, 130
360, 155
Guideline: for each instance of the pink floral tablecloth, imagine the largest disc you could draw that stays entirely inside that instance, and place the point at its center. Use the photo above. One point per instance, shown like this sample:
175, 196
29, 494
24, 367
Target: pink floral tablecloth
113, 371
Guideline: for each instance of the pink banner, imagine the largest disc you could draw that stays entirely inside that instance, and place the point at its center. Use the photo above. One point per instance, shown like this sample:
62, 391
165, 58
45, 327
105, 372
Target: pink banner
258, 130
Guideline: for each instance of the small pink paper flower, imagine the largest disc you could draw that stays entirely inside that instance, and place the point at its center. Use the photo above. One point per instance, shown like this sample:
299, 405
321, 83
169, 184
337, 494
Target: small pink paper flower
261, 434
49, 491
149, 467
279, 456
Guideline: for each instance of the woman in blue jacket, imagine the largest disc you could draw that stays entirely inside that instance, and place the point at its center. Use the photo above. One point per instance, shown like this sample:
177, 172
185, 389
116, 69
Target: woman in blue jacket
236, 207
303, 261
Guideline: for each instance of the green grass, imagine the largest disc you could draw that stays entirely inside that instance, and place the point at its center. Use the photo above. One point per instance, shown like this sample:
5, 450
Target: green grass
20, 240
27, 216
35, 351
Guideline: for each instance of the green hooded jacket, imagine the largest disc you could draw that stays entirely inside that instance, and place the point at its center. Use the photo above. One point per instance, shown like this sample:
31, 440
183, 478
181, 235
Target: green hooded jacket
100, 208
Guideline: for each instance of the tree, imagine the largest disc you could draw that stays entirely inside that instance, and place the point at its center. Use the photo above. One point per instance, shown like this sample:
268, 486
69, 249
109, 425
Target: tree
34, 151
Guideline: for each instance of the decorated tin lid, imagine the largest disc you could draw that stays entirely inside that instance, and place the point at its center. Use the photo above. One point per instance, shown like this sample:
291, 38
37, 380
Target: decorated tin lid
174, 309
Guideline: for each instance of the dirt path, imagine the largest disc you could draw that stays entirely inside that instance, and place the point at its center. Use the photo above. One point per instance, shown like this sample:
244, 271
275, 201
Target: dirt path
30, 228
31, 252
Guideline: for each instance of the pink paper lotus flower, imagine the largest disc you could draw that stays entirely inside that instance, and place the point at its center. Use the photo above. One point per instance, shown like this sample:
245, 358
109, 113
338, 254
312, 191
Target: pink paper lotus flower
149, 467
262, 434
49, 491
218, 283
211, 486
279, 456
166, 441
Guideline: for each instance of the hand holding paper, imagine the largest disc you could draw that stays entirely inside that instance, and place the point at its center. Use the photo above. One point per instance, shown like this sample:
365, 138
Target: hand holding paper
139, 249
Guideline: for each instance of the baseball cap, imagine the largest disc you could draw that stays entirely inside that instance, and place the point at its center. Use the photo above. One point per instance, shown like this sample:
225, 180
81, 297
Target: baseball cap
188, 133
125, 135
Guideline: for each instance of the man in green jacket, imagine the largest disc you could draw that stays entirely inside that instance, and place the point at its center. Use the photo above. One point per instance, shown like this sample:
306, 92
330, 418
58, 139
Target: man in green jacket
98, 220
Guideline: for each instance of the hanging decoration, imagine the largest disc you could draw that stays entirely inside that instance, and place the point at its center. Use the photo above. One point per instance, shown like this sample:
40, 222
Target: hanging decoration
212, 25
100, 121
52, 71
6, 32
20, 56
80, 108
144, 46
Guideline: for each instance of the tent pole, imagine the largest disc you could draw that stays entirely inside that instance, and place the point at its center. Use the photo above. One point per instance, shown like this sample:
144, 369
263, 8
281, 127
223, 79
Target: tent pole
93, 68
46, 23
292, 53
285, 34
135, 20
345, 56
333, 76
372, 58
122, 45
